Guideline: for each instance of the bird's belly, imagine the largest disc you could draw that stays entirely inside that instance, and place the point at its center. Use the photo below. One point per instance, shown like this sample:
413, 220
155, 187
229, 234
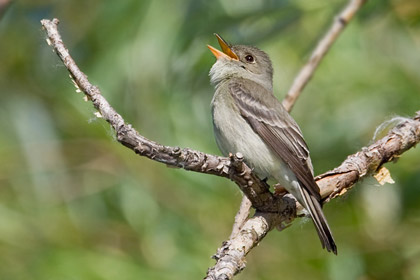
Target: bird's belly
233, 134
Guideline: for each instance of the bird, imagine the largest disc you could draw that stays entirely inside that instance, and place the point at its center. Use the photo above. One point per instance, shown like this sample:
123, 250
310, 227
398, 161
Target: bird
249, 119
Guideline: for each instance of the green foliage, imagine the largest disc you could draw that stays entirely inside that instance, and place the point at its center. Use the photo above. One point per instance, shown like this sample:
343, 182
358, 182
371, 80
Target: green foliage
75, 204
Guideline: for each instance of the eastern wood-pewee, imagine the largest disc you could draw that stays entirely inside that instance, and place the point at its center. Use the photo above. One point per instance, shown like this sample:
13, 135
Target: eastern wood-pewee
249, 119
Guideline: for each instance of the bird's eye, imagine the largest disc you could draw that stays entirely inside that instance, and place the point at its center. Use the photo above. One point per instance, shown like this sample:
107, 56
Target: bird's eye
249, 58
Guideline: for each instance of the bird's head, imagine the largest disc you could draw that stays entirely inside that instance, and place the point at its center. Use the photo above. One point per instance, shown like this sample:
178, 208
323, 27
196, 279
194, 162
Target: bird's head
239, 61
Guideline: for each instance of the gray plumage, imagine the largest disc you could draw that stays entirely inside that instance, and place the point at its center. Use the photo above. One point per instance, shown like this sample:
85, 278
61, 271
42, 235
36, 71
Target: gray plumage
249, 119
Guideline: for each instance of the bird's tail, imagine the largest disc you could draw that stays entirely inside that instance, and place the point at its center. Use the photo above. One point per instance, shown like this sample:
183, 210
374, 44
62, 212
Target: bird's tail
324, 232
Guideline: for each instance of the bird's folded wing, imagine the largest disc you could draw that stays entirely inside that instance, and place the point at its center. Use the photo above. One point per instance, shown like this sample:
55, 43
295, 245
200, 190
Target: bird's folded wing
276, 127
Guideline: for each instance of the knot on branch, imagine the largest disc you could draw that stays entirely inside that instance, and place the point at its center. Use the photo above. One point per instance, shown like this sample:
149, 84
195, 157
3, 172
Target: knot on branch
237, 160
238, 166
342, 20
194, 160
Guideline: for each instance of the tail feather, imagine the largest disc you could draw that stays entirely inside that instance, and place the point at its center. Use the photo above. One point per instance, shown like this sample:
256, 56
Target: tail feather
324, 232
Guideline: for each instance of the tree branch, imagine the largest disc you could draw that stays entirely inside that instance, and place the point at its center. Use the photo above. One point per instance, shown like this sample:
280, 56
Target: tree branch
319, 52
272, 210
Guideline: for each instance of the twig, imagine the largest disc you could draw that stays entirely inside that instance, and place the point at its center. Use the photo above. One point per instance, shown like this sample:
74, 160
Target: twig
273, 210
321, 49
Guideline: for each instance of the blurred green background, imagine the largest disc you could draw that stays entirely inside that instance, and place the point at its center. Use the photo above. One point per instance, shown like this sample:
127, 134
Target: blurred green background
75, 204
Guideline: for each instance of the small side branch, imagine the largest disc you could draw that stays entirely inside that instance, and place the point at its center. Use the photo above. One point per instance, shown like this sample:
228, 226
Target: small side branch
321, 49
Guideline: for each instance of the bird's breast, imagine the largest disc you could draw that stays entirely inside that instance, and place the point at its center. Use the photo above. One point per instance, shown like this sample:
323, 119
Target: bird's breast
233, 134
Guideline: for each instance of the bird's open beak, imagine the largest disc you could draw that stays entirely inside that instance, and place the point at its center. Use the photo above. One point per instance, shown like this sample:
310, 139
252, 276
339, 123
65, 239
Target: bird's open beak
227, 51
